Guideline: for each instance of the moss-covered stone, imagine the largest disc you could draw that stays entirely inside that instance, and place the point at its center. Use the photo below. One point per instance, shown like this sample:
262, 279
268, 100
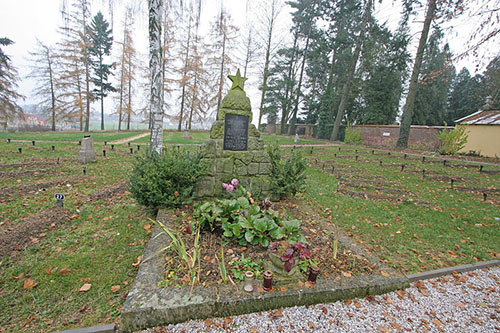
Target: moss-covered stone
253, 132
240, 168
205, 187
253, 169
264, 168
255, 144
236, 100
217, 130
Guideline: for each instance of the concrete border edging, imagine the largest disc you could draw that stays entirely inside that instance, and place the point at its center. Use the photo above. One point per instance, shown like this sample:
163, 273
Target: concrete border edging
110, 328
450, 270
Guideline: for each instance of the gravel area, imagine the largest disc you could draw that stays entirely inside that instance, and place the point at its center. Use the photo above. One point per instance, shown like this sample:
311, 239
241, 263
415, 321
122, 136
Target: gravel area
468, 302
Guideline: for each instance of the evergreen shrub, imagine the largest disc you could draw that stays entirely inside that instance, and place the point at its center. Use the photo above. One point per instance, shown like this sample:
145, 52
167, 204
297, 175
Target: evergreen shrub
287, 176
165, 180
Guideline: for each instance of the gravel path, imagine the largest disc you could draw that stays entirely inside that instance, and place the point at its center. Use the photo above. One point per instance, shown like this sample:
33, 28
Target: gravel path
468, 302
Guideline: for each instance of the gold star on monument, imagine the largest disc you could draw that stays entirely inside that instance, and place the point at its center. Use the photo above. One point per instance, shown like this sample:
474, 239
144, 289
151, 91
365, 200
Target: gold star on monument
238, 80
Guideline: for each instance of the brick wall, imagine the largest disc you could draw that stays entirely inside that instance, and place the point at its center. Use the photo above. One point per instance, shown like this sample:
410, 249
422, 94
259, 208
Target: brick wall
386, 136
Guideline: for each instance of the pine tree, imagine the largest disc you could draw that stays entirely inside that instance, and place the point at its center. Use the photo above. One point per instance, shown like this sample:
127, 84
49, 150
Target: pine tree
8, 86
101, 42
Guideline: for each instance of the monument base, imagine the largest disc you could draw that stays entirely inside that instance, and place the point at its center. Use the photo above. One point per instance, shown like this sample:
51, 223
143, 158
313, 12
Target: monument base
252, 168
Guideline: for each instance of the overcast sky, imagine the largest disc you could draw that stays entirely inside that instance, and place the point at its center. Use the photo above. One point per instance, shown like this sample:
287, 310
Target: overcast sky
23, 21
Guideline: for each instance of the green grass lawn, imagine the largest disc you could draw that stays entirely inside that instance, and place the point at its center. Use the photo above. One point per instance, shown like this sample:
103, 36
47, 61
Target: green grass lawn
424, 224
174, 137
97, 245
69, 136
412, 223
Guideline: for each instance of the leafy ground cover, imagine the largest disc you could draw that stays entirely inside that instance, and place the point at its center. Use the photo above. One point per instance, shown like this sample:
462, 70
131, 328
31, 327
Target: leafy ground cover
69, 136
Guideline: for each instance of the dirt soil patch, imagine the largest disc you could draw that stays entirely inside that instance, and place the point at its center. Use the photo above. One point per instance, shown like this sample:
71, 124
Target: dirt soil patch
9, 193
27, 173
319, 234
14, 238
110, 191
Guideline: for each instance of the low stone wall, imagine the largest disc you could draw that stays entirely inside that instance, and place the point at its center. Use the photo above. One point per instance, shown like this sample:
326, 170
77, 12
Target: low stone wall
421, 137
252, 168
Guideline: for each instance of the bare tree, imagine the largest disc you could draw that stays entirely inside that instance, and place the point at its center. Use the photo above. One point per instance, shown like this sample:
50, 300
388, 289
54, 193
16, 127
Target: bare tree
43, 70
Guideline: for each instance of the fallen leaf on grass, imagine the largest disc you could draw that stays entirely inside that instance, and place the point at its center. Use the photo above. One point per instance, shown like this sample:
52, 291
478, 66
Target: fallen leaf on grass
311, 325
400, 293
137, 261
460, 304
283, 289
385, 274
29, 284
115, 288
253, 329
346, 274
147, 227
208, 322
85, 287
357, 304
33, 240
383, 329
20, 276
64, 271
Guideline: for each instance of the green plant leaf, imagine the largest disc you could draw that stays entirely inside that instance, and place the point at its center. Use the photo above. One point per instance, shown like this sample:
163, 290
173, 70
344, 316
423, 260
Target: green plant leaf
249, 236
244, 223
261, 224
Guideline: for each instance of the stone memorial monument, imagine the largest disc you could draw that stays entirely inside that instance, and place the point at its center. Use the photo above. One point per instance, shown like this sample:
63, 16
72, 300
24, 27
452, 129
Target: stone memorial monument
235, 149
87, 152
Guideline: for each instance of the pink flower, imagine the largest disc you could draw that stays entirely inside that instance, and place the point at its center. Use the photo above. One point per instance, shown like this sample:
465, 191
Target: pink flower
234, 182
224, 185
230, 188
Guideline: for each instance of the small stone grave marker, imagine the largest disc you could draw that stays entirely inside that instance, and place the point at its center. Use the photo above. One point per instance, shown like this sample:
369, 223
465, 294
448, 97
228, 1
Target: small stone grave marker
20, 150
84, 169
131, 150
138, 147
112, 147
296, 138
53, 147
104, 152
8, 140
33, 142
60, 199
87, 152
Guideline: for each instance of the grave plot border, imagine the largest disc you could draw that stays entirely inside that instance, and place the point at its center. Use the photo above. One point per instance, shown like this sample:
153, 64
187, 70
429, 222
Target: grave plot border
149, 306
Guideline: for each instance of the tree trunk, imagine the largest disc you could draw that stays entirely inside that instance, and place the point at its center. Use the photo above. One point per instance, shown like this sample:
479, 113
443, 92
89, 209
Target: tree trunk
184, 73
404, 129
155, 13
289, 89
52, 94
291, 130
264, 79
87, 94
221, 78
193, 98
129, 104
352, 69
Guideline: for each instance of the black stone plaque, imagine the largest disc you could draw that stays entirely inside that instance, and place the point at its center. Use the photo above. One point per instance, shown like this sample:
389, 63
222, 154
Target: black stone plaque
236, 132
